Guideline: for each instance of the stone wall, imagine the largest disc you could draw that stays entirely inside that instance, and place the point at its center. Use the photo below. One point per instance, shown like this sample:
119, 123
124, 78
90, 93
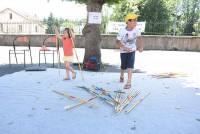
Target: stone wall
151, 42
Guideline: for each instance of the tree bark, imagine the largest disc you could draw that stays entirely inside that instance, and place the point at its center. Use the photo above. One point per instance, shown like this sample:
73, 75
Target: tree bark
91, 32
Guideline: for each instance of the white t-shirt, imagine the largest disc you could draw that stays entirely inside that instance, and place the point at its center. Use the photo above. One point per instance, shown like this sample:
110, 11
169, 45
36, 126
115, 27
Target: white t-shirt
128, 38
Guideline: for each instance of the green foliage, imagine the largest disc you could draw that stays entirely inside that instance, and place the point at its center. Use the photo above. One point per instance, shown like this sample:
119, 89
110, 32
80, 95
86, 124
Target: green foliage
104, 23
69, 24
161, 16
191, 14
196, 27
155, 13
121, 9
50, 22
105, 18
109, 2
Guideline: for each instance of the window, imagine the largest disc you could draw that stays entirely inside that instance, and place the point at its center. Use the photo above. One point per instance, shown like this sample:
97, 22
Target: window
1, 27
10, 16
20, 28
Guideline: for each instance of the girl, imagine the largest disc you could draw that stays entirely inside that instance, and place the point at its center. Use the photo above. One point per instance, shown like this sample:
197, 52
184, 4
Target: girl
67, 41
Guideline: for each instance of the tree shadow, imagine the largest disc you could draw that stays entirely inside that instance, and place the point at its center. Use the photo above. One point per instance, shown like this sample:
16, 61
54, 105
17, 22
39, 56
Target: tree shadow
7, 69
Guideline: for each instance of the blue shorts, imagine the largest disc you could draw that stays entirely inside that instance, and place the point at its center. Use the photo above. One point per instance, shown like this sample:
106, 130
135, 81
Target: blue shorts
127, 60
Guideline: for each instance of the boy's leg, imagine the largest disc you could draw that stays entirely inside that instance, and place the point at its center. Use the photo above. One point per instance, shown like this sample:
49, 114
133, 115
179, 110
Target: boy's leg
129, 75
123, 66
128, 84
122, 73
130, 65
122, 76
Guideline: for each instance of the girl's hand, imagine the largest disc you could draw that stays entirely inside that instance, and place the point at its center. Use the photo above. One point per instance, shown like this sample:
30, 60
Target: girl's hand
57, 32
72, 33
71, 30
55, 28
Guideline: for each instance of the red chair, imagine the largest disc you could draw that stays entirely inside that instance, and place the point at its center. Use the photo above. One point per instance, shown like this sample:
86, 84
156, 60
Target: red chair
18, 43
47, 48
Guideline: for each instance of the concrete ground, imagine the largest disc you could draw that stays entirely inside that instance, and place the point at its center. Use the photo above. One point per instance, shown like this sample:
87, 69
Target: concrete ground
28, 104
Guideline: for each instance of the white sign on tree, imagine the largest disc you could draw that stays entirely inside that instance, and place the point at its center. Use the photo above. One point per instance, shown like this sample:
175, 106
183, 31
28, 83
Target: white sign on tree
94, 18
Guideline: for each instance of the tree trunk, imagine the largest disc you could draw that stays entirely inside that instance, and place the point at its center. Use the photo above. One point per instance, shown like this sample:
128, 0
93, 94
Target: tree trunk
91, 32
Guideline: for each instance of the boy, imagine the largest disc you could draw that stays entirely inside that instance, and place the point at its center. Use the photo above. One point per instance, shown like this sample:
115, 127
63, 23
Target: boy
126, 41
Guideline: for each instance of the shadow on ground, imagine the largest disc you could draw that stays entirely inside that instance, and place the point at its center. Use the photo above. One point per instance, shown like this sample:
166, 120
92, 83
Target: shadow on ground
6, 69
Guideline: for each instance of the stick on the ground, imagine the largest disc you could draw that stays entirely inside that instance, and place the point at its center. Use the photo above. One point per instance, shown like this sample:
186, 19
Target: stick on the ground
137, 102
79, 104
71, 97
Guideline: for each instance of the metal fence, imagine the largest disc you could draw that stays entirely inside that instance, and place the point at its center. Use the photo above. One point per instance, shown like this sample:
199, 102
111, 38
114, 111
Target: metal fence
171, 28
151, 28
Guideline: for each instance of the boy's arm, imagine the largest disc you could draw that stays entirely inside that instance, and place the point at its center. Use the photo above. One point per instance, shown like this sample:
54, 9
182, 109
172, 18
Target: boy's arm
139, 44
119, 42
121, 45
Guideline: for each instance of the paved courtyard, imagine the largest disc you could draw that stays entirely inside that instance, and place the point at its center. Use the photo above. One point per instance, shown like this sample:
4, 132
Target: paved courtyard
29, 105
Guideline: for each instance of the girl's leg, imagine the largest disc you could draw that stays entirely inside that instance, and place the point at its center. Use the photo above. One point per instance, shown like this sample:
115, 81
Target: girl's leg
67, 66
72, 71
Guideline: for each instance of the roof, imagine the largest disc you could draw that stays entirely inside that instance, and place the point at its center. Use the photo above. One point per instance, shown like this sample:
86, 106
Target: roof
27, 17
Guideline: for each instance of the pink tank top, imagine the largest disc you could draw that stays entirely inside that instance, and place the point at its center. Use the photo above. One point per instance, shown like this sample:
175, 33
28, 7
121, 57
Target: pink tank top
67, 46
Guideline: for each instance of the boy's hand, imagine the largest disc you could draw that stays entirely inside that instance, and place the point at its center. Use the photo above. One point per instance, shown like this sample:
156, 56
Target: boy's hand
126, 49
140, 49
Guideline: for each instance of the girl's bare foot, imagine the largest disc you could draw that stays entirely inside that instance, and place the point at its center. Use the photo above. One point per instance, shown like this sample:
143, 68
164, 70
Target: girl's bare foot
66, 78
74, 75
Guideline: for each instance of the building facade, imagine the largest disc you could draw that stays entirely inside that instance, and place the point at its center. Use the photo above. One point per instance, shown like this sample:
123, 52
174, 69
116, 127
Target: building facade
12, 22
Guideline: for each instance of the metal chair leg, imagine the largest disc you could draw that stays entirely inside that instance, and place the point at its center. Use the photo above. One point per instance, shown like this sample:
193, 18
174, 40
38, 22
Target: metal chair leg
53, 59
31, 57
9, 59
24, 58
45, 58
16, 57
39, 58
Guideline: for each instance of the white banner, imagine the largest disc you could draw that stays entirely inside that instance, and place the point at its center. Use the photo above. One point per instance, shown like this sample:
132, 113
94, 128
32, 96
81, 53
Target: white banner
114, 27
94, 18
